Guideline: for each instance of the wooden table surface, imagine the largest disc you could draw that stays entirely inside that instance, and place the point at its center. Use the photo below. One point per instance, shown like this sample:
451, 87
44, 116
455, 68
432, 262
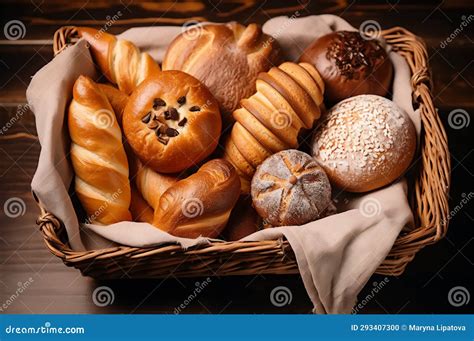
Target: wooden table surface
54, 288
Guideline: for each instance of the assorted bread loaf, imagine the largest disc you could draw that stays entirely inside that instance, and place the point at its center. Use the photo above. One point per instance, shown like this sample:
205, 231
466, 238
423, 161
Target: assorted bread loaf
288, 100
350, 65
199, 205
365, 142
145, 147
97, 155
119, 60
227, 58
172, 121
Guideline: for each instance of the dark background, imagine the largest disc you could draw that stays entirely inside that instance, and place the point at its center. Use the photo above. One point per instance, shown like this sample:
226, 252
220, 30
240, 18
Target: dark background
55, 288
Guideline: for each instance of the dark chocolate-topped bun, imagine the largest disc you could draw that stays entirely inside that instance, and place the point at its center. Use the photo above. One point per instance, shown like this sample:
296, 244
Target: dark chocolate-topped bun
350, 65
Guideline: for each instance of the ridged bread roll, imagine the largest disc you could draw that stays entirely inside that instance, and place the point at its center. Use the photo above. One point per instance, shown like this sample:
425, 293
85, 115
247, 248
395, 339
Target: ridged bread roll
199, 205
227, 58
97, 155
288, 100
119, 60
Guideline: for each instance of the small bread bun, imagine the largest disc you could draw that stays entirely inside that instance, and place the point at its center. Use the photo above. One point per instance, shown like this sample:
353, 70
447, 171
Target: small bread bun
199, 205
350, 65
364, 143
290, 188
172, 122
226, 57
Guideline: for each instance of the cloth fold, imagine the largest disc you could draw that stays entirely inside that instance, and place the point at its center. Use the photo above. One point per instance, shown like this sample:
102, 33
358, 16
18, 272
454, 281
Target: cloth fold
336, 255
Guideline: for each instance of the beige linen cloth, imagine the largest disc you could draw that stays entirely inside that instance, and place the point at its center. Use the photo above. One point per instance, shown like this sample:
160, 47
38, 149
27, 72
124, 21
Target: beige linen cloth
336, 255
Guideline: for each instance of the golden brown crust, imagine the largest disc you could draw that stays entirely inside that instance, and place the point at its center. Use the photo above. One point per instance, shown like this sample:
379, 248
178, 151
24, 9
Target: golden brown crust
139, 208
169, 136
366, 69
151, 184
226, 58
199, 205
378, 150
119, 60
288, 100
97, 155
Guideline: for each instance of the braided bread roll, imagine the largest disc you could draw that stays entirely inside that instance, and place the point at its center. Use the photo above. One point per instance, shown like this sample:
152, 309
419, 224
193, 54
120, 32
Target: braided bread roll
97, 155
288, 100
120, 60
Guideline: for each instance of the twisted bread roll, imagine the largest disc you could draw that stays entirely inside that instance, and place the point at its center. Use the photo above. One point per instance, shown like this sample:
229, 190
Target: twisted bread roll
97, 155
288, 100
120, 60
199, 205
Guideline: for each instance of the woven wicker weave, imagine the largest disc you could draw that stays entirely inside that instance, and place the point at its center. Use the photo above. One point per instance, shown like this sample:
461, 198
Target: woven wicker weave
429, 201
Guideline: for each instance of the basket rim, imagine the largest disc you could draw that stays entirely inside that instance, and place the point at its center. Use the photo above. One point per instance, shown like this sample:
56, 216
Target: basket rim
428, 229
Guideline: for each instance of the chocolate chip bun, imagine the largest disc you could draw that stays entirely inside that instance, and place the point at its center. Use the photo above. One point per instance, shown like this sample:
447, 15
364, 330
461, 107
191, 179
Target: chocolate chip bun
350, 65
290, 188
364, 143
226, 57
172, 122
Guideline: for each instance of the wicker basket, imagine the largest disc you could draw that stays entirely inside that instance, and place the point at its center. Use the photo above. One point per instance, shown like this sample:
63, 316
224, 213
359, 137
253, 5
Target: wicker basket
429, 201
